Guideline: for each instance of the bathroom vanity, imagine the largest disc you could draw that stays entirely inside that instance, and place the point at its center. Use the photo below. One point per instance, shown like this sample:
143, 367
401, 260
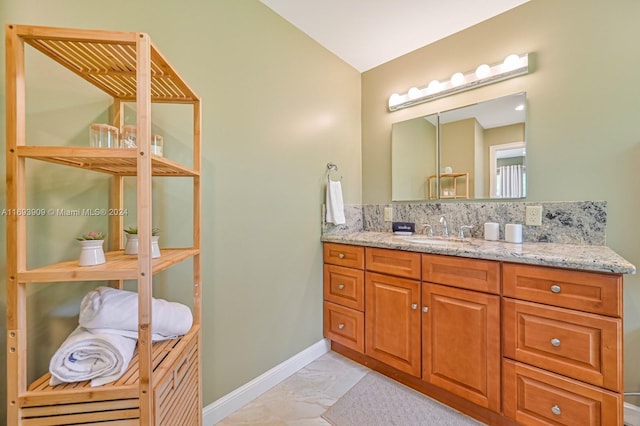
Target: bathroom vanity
506, 333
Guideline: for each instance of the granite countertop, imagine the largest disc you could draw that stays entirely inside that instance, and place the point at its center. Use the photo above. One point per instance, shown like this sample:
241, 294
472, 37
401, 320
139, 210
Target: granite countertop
586, 257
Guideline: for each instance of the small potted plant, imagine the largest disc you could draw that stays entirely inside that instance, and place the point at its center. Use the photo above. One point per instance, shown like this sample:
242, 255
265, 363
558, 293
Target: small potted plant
132, 241
92, 252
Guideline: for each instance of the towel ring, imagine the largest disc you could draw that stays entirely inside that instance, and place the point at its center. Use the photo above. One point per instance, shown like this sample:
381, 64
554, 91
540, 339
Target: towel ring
331, 167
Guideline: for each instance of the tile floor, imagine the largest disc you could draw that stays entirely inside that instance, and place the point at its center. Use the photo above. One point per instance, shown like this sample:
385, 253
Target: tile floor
303, 397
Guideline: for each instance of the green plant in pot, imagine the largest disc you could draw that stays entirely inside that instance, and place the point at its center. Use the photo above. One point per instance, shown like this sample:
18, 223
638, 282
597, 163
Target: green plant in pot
132, 241
91, 252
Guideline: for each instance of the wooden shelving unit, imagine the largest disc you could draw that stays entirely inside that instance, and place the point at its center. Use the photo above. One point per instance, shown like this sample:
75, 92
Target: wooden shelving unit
452, 185
162, 385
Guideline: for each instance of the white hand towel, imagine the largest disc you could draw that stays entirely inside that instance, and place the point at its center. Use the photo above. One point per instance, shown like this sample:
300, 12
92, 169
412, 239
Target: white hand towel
335, 205
101, 358
114, 311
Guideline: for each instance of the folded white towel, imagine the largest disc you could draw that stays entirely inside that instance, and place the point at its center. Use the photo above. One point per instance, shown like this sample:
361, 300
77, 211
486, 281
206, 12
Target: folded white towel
335, 205
101, 358
114, 311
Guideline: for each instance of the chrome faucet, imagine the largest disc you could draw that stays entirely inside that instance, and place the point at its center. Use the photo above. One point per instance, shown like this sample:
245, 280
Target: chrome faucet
445, 227
462, 228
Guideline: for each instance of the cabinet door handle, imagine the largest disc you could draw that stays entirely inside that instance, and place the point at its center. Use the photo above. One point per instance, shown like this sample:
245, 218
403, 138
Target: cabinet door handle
555, 288
340, 326
556, 410
341, 255
414, 306
340, 286
555, 342
425, 309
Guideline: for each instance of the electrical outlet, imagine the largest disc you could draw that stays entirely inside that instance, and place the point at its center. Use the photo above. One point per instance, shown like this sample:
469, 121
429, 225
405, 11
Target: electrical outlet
388, 214
533, 215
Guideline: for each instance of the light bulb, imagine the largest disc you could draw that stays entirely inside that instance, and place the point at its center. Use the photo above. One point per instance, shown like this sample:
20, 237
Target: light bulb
520, 107
483, 71
394, 100
511, 62
457, 79
434, 86
414, 93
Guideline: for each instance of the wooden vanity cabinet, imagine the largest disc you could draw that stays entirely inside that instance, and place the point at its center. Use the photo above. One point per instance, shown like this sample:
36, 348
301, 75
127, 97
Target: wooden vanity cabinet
461, 343
392, 318
392, 308
562, 365
461, 328
505, 343
344, 295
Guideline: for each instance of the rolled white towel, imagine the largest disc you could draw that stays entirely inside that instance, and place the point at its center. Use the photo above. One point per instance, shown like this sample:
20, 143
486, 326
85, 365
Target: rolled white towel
101, 358
114, 311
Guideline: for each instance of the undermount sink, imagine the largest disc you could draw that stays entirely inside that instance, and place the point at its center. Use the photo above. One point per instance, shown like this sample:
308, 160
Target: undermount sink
434, 240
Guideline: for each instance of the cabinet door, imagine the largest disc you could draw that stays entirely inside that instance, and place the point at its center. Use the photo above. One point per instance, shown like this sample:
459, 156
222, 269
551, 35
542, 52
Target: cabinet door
392, 332
461, 343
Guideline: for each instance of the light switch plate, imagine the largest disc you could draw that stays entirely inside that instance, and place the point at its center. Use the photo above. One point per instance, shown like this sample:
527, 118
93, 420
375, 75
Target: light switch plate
388, 214
533, 215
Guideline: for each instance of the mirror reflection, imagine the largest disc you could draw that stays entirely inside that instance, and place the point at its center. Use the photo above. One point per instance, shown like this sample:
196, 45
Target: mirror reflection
481, 153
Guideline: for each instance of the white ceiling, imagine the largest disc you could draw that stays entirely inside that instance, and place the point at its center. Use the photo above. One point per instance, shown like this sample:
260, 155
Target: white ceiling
368, 33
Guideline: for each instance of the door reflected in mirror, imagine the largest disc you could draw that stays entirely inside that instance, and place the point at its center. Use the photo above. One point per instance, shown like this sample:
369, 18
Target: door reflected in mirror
481, 153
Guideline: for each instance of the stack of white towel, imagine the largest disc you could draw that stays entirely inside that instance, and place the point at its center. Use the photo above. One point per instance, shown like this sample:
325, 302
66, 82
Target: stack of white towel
102, 346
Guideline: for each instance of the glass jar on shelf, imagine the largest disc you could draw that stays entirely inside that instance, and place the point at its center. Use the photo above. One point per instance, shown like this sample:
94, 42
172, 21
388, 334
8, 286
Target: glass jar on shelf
103, 136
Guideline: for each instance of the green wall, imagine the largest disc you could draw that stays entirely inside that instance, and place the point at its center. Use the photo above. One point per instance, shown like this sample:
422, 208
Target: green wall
277, 107
582, 125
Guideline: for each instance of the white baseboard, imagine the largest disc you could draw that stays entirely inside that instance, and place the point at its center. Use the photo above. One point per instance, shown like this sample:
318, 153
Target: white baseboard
223, 407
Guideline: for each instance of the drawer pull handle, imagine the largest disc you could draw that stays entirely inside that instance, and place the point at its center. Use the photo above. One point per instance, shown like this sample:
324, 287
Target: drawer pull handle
340, 326
556, 410
341, 255
414, 306
555, 342
179, 373
425, 309
340, 286
555, 288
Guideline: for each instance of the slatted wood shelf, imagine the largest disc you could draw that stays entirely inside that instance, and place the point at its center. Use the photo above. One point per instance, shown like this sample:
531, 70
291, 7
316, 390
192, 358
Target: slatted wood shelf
107, 59
75, 400
118, 266
114, 161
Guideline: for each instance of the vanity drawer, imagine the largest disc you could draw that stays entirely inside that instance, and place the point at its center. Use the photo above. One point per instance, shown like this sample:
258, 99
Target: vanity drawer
344, 255
344, 326
393, 262
536, 397
344, 286
584, 346
472, 274
585, 291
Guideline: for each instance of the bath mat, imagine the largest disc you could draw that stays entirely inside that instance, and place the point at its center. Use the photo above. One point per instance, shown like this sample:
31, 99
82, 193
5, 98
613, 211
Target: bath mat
378, 401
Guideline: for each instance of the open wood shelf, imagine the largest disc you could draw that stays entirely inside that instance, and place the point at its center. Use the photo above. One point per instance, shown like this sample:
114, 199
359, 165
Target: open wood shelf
162, 384
68, 391
115, 161
116, 400
107, 60
119, 266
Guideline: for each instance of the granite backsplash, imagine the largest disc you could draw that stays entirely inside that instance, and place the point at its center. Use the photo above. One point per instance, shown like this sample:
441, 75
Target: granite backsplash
571, 222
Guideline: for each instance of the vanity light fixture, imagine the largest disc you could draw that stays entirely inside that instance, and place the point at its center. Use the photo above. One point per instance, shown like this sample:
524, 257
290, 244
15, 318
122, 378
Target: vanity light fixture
513, 66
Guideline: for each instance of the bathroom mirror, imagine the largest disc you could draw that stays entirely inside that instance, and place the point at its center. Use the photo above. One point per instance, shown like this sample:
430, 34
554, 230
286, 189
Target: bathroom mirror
473, 152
